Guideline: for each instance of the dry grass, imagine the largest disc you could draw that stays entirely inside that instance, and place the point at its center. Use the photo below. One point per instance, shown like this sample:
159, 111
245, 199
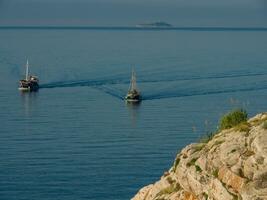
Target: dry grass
243, 127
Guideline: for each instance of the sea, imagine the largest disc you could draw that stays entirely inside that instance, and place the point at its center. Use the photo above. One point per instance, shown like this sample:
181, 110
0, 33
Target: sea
76, 138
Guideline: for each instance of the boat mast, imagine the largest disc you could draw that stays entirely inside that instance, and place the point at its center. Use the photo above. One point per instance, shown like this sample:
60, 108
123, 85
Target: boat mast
133, 82
27, 70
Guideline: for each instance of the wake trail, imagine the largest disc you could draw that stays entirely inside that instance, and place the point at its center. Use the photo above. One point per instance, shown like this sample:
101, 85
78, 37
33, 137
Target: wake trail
175, 90
190, 92
81, 83
203, 77
124, 80
200, 93
111, 91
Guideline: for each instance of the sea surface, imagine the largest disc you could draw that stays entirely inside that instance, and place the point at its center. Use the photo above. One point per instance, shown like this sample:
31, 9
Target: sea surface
78, 139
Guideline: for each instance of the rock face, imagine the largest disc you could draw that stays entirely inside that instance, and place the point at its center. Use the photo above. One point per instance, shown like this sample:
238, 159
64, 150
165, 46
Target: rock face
232, 165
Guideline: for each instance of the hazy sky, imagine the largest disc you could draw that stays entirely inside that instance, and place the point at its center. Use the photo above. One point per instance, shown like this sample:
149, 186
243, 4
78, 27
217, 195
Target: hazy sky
131, 12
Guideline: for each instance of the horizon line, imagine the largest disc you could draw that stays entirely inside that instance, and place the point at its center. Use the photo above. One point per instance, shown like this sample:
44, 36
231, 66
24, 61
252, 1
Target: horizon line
186, 28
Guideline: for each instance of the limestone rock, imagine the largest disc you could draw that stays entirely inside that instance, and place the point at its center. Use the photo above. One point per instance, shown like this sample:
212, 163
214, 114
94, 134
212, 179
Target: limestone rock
232, 165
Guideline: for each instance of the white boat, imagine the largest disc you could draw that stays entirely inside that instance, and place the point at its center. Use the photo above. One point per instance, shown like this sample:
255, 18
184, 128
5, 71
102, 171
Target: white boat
30, 83
133, 94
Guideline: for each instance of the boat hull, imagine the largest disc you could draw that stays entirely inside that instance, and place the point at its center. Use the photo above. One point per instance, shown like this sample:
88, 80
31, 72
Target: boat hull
24, 89
28, 86
133, 98
34, 87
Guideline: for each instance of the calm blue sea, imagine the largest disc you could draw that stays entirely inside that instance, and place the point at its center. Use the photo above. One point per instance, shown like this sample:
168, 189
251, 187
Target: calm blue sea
77, 139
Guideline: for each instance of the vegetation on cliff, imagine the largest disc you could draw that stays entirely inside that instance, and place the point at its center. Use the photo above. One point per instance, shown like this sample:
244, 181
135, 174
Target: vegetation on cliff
233, 118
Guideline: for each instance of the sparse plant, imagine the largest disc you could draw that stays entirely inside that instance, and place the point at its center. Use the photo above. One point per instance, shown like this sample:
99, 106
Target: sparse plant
198, 169
260, 160
233, 150
215, 173
170, 180
184, 156
169, 190
218, 142
235, 197
264, 125
249, 153
176, 163
241, 173
205, 195
191, 162
198, 147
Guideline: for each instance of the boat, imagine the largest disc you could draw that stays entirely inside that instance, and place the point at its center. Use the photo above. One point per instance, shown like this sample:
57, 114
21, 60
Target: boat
30, 83
133, 94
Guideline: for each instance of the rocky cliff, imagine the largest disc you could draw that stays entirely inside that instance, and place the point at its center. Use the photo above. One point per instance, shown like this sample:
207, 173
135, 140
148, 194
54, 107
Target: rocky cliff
232, 165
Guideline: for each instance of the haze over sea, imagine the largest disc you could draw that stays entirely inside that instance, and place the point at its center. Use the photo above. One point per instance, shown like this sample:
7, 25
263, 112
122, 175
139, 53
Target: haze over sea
77, 139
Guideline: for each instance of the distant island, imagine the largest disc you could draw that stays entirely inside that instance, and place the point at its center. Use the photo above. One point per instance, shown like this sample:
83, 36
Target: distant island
154, 25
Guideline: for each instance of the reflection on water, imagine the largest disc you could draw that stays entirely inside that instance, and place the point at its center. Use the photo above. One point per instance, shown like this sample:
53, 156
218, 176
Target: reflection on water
28, 100
134, 109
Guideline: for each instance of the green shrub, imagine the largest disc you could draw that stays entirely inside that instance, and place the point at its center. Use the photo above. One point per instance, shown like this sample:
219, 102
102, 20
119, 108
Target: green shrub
233, 118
